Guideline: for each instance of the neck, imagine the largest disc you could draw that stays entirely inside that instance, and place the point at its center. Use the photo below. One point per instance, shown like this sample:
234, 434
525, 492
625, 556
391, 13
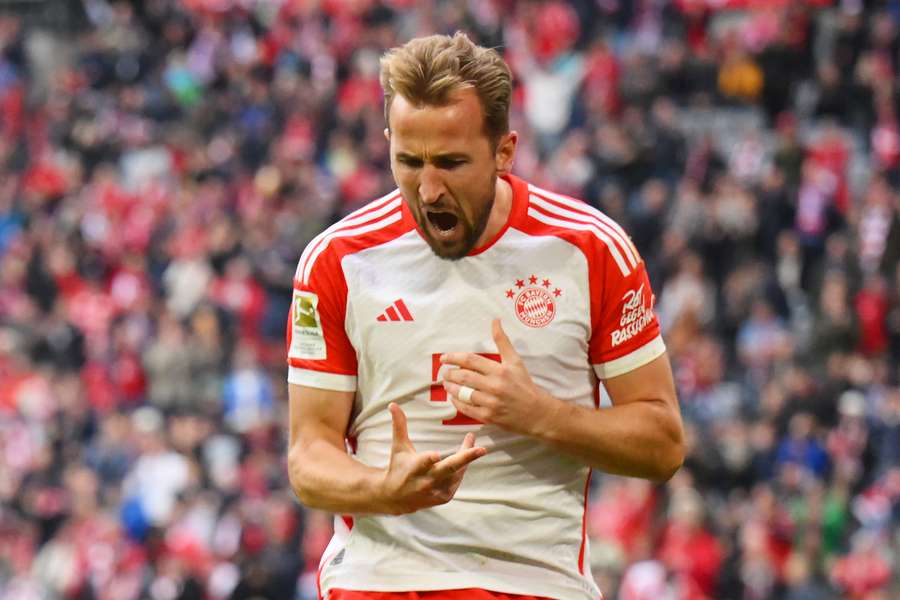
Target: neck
499, 212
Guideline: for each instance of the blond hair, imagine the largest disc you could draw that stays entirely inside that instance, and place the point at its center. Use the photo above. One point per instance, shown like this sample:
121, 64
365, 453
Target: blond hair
427, 70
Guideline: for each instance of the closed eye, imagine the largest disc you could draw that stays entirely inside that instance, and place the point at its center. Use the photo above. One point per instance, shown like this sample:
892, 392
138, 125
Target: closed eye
410, 161
441, 162
448, 163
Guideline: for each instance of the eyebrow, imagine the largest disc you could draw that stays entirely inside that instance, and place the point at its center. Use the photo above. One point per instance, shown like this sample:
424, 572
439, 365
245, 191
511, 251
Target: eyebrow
444, 156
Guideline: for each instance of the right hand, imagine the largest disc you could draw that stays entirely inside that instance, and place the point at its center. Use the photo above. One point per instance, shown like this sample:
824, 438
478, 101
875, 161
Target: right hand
414, 480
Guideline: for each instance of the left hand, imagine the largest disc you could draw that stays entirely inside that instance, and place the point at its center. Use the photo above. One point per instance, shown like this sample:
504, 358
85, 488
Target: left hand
505, 394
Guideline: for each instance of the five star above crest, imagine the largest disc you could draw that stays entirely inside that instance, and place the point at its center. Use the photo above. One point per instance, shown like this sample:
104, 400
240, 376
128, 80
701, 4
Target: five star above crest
544, 282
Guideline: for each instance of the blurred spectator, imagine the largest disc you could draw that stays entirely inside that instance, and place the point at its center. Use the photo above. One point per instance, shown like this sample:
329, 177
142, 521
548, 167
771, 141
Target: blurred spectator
835, 327
801, 447
157, 476
762, 339
864, 571
247, 393
687, 548
167, 362
802, 583
687, 295
739, 76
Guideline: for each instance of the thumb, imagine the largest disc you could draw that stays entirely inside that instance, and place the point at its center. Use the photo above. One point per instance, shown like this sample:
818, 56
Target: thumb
400, 441
504, 345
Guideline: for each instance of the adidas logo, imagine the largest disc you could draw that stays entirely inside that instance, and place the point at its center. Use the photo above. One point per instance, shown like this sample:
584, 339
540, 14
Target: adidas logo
396, 312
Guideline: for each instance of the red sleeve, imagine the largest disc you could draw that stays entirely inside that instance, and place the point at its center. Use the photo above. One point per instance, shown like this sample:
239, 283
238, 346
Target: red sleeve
625, 331
317, 342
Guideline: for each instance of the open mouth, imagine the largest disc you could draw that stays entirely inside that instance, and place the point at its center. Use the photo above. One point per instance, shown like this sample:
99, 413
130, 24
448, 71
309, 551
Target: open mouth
443, 222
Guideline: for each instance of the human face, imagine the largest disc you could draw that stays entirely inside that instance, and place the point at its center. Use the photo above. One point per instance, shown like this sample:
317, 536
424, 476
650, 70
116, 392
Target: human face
446, 170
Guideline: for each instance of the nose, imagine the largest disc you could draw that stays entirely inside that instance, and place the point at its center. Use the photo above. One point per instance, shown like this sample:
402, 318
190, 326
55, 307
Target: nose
431, 187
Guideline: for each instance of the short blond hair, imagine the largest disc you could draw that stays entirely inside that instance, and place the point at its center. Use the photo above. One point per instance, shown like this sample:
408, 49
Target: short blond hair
427, 70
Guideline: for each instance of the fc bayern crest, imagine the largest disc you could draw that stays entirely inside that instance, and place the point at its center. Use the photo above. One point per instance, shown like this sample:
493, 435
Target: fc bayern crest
535, 302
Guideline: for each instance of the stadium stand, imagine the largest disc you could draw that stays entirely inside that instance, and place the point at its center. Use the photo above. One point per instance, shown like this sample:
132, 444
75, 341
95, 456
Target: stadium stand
163, 163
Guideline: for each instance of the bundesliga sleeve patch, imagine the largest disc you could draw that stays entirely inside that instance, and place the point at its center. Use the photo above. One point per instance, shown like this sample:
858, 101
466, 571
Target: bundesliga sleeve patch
307, 339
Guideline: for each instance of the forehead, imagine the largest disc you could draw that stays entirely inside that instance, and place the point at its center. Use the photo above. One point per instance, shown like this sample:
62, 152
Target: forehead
454, 126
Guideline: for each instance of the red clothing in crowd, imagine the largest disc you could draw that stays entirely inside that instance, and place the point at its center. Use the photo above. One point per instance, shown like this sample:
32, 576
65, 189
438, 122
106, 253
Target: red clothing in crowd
872, 307
624, 514
246, 298
861, 573
832, 153
693, 552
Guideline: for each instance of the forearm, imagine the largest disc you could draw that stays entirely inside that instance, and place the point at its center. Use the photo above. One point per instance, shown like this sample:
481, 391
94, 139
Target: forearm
325, 477
637, 439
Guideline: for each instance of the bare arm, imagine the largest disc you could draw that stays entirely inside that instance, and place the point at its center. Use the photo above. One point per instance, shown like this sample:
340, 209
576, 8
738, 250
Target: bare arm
316, 455
640, 435
324, 476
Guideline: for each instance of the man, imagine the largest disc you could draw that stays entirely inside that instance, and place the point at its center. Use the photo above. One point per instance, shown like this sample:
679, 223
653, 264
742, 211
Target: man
468, 304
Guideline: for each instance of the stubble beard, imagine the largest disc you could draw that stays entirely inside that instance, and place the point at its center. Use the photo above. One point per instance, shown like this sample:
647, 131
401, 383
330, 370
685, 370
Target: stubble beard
471, 233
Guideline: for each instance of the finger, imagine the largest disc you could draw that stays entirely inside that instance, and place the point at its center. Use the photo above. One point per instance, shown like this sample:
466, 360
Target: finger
504, 345
400, 441
471, 361
453, 390
468, 442
473, 379
459, 460
425, 462
471, 410
477, 399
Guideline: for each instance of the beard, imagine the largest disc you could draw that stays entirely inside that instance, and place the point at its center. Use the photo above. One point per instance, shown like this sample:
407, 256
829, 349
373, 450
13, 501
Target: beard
448, 231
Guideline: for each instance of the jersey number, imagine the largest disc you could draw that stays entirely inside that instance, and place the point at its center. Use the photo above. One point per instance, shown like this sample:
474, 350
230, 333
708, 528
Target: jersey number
439, 394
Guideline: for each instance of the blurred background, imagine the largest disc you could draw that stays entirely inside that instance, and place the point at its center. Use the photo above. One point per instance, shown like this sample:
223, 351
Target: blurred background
163, 163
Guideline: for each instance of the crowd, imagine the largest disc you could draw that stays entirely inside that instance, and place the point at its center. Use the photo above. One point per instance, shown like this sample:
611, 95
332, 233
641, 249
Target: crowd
162, 168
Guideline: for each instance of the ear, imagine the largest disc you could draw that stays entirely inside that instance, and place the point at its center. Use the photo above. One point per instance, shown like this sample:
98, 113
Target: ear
387, 134
506, 152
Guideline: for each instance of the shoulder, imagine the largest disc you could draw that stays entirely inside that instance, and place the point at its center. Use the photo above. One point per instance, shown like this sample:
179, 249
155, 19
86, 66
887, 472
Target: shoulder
579, 223
376, 223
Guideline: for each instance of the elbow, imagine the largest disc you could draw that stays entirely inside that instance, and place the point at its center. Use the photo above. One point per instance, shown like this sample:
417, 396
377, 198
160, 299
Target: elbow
673, 461
303, 494
299, 482
674, 452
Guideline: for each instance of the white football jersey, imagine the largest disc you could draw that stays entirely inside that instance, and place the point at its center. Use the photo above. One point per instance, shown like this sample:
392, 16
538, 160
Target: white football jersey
374, 309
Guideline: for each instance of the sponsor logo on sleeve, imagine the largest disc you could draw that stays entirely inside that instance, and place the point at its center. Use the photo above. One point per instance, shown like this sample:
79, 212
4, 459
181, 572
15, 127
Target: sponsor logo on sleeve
636, 315
307, 338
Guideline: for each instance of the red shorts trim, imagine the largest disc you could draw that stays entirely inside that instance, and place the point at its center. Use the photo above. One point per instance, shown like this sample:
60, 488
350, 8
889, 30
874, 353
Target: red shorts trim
466, 594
